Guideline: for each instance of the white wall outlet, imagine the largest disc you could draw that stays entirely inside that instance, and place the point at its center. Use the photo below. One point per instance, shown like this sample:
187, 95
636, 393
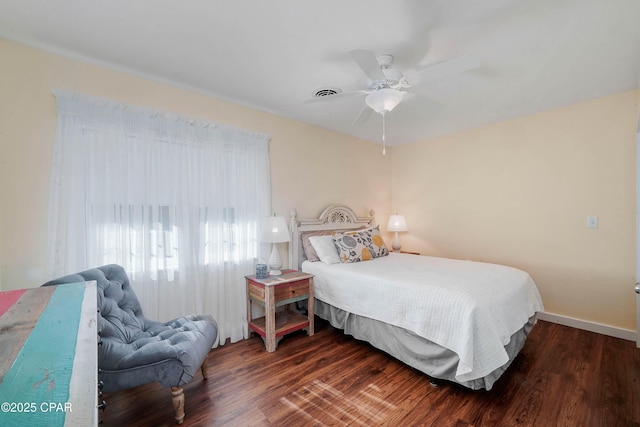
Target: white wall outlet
592, 222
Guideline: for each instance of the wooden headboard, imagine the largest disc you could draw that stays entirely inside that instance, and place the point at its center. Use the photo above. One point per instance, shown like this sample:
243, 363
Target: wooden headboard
334, 217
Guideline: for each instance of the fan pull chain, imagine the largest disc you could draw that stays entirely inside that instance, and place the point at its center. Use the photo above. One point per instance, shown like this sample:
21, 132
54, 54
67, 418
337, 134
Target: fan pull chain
384, 135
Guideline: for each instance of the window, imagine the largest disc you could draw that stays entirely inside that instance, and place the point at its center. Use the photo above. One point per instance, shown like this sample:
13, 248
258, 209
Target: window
141, 237
175, 201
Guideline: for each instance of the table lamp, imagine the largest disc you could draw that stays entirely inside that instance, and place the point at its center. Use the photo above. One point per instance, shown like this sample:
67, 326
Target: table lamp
274, 230
396, 223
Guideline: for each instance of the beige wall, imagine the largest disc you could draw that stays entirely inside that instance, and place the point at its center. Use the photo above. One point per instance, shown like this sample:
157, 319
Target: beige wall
310, 167
519, 193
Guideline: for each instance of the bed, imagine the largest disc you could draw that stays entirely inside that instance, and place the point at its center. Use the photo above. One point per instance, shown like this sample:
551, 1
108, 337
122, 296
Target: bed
454, 320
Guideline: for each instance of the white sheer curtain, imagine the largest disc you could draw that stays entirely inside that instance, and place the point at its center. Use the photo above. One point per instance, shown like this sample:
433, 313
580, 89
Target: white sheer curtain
177, 202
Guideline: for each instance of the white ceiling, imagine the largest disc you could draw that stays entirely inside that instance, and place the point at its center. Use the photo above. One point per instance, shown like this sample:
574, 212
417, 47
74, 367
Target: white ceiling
273, 54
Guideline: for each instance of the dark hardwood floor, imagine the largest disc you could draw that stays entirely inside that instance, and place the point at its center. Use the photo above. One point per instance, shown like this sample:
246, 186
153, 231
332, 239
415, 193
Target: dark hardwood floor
562, 377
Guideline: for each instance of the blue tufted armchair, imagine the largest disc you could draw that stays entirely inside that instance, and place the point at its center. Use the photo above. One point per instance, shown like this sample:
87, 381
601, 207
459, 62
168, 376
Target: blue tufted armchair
135, 350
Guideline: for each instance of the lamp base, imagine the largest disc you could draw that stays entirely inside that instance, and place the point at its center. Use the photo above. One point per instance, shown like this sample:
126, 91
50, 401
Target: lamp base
396, 243
275, 262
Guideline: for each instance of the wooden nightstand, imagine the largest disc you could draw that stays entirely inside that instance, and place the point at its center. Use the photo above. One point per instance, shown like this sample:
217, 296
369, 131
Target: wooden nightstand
276, 291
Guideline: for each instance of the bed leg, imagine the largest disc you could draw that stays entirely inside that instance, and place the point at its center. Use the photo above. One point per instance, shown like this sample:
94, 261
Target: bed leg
435, 382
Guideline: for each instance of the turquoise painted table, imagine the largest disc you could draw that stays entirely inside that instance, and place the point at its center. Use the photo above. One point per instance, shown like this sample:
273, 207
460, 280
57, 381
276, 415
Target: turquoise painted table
48, 356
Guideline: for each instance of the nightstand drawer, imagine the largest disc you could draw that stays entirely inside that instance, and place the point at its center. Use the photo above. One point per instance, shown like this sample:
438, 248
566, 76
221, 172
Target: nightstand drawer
292, 290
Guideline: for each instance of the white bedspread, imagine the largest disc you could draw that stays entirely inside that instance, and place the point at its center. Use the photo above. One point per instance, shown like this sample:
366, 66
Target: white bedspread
468, 307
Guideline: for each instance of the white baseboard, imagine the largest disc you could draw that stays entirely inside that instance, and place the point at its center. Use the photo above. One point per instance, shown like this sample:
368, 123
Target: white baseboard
625, 334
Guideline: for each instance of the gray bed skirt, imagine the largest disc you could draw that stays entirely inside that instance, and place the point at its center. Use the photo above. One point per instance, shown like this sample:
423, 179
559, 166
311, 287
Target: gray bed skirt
417, 352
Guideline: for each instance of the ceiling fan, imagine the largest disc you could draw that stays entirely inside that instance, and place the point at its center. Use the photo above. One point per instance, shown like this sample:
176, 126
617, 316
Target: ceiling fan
387, 86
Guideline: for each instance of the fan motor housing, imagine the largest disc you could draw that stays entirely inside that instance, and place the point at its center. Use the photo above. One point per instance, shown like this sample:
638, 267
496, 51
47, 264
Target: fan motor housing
393, 76
392, 79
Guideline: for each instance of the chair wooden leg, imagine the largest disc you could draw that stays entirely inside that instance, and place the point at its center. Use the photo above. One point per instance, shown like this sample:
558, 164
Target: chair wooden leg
177, 396
204, 367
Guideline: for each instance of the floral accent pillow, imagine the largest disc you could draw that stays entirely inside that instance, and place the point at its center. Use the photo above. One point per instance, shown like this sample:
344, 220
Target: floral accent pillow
309, 251
375, 242
351, 247
354, 246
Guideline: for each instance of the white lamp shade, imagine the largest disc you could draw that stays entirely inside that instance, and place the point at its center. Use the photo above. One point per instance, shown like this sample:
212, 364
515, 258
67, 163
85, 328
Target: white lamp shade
397, 223
275, 230
384, 100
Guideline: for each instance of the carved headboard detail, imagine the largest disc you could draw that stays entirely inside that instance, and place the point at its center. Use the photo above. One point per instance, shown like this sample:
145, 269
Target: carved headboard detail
334, 217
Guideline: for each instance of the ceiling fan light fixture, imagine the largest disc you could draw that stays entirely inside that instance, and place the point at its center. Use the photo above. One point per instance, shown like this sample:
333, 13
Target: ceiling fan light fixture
384, 100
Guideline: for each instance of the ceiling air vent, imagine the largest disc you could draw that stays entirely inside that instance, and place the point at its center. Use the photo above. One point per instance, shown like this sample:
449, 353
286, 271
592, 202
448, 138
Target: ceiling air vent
326, 91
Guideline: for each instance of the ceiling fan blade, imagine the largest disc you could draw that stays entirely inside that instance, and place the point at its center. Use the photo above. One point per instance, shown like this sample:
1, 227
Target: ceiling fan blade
368, 63
364, 115
455, 65
336, 96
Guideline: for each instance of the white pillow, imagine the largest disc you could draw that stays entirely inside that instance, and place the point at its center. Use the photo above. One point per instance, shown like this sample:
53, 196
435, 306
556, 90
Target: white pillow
325, 248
